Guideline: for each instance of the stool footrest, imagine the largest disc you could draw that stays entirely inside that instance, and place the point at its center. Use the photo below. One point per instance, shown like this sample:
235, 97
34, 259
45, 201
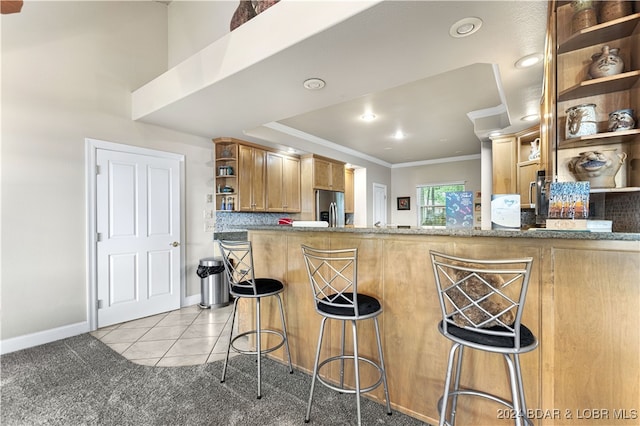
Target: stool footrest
486, 395
342, 388
263, 351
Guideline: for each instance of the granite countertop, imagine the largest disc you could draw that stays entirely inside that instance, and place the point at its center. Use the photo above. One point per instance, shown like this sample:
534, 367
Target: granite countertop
532, 233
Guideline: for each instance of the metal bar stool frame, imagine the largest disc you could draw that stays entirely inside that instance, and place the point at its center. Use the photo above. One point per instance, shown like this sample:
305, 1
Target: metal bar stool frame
483, 329
334, 285
238, 262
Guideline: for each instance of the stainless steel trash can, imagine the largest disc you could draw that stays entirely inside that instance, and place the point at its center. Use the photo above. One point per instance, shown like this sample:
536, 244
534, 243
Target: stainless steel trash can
214, 291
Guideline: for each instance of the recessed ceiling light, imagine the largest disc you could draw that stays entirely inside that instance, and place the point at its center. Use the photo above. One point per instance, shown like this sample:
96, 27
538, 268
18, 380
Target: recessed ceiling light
528, 61
313, 84
494, 134
368, 116
398, 135
531, 117
465, 27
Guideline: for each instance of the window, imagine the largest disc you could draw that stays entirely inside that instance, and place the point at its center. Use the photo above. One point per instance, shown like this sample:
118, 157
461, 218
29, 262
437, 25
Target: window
431, 203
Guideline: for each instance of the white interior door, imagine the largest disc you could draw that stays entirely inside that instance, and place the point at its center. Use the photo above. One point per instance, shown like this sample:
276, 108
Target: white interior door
379, 204
138, 225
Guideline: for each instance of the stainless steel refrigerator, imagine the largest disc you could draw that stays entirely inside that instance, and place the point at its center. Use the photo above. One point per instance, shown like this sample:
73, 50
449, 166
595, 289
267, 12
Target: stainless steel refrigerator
330, 207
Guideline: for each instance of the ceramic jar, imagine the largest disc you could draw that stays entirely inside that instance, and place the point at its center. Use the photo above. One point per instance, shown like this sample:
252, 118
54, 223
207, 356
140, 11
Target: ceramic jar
581, 121
597, 167
584, 15
621, 119
243, 13
606, 63
614, 9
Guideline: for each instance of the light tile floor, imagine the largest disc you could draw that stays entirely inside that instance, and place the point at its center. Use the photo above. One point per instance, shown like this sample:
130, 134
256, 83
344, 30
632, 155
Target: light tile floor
188, 336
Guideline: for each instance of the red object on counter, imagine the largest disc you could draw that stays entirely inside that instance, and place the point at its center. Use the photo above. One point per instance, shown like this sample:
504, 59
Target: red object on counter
285, 221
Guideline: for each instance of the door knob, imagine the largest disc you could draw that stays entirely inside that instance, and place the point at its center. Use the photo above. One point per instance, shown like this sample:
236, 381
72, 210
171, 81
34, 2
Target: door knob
175, 244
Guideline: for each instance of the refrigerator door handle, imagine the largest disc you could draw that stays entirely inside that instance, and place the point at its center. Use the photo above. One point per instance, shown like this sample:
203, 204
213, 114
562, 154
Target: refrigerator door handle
332, 214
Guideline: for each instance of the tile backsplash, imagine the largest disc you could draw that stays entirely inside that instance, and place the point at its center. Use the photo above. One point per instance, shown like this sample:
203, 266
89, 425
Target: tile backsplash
623, 209
236, 220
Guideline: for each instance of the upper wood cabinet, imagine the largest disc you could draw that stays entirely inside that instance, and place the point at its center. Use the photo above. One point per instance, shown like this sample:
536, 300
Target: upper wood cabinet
251, 179
503, 152
527, 167
318, 173
283, 183
256, 178
348, 191
513, 171
226, 172
327, 174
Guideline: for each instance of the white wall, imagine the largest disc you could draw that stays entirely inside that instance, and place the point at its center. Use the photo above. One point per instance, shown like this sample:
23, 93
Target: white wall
68, 69
405, 180
193, 25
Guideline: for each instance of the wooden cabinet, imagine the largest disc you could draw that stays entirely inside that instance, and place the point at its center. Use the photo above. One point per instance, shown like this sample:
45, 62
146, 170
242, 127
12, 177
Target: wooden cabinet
348, 191
513, 171
318, 173
251, 178
327, 174
226, 167
575, 87
283, 183
528, 165
503, 152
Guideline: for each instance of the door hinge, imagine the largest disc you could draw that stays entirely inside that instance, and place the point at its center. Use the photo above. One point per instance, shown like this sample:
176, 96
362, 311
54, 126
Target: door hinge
97, 169
100, 304
98, 236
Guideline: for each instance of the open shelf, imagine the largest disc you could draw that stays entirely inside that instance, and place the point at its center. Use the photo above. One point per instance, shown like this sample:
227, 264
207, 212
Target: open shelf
601, 139
598, 86
601, 33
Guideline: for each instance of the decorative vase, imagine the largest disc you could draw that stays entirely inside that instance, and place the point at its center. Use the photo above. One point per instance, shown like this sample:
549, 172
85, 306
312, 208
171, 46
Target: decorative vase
621, 119
534, 154
243, 13
597, 167
614, 9
606, 63
584, 15
261, 5
581, 121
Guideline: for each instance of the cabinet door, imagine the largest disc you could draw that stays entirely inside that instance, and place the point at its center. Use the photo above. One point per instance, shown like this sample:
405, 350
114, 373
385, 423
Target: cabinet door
504, 165
291, 185
275, 179
321, 174
348, 191
527, 174
337, 177
259, 180
251, 179
245, 168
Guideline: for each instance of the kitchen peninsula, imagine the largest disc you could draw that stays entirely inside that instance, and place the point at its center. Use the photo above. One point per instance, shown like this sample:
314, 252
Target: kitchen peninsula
583, 305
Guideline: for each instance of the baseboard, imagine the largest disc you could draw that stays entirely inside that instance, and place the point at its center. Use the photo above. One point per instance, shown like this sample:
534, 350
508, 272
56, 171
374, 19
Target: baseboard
40, 338
190, 300
48, 336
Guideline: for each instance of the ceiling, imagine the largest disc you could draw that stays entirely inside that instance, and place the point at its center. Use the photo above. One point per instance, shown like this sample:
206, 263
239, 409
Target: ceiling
396, 60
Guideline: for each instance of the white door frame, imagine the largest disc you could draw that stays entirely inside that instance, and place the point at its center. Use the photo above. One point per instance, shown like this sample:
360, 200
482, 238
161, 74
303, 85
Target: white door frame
375, 202
91, 147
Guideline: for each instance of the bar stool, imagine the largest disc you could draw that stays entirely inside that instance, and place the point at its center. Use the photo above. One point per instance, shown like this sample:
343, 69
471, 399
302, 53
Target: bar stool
333, 278
238, 262
482, 303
